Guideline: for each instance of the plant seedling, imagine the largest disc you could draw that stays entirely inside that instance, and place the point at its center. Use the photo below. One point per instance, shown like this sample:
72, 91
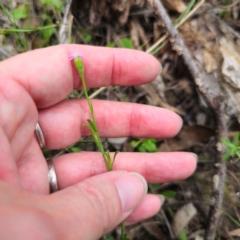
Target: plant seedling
92, 125
146, 145
233, 148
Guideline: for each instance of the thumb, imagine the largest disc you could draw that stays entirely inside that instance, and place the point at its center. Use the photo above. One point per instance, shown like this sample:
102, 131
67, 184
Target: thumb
96, 205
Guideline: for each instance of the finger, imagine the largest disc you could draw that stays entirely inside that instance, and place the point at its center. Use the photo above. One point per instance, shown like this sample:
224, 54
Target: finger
49, 76
63, 124
18, 116
149, 207
98, 203
154, 167
17, 122
8, 169
33, 170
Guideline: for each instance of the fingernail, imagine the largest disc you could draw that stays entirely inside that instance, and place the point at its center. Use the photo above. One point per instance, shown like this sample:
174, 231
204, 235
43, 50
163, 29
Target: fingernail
162, 199
160, 67
181, 120
195, 156
132, 187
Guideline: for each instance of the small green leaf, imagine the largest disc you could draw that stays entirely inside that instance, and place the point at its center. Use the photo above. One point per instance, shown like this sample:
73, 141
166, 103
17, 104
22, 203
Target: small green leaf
134, 143
87, 38
75, 149
148, 145
182, 235
57, 4
48, 33
226, 156
238, 154
123, 99
125, 43
232, 151
94, 128
111, 45
169, 193
141, 148
227, 142
20, 12
115, 154
86, 35
154, 186
236, 139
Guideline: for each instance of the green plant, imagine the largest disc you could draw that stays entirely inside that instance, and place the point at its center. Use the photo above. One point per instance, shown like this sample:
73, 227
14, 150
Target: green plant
86, 36
20, 12
56, 4
154, 186
123, 234
22, 25
146, 145
75, 149
182, 235
92, 122
92, 125
125, 43
232, 219
169, 193
111, 45
233, 148
14, 25
4, 31
185, 12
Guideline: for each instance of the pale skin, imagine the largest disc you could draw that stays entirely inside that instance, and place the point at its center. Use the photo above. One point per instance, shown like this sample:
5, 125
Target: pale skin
90, 201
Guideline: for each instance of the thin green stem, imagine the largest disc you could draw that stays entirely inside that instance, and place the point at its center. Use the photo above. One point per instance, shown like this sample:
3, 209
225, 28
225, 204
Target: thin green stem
5, 31
92, 122
94, 130
14, 25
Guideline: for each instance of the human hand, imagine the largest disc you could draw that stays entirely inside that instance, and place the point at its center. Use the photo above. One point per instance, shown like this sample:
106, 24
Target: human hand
91, 202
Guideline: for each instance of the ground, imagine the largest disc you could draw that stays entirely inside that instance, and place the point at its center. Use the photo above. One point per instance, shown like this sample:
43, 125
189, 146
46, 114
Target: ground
212, 35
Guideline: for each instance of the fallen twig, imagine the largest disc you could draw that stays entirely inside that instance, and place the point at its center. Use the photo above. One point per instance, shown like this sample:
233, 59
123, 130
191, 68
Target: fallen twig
216, 103
219, 178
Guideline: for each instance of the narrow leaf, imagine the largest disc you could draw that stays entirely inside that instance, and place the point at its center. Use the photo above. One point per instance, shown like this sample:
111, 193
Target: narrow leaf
189, 6
233, 219
227, 155
115, 154
91, 123
238, 154
227, 142
236, 139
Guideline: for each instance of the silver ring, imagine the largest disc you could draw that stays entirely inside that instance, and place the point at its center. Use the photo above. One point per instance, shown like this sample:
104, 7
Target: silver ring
40, 136
52, 177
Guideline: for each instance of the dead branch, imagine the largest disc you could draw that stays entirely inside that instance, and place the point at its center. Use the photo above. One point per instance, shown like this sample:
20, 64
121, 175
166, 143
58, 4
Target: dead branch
216, 103
219, 178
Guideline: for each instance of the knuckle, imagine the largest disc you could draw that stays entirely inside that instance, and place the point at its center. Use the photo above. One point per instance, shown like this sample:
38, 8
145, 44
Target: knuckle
102, 202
